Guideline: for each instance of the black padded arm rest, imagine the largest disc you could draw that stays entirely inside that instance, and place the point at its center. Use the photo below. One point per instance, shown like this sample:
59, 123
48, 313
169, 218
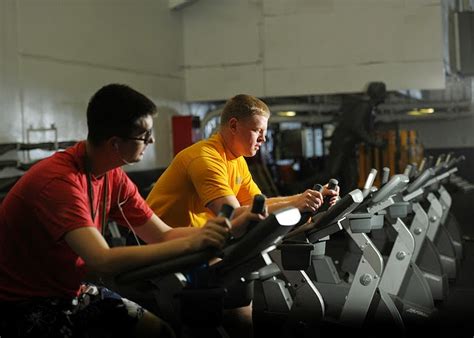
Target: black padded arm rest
257, 239
420, 180
267, 233
344, 206
178, 264
396, 184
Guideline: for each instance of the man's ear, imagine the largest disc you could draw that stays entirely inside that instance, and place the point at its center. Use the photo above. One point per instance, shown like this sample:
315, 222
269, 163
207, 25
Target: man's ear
233, 124
114, 143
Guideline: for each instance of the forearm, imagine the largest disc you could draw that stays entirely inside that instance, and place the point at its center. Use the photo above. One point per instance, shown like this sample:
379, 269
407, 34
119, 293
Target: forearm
180, 232
155, 230
119, 259
239, 225
91, 246
276, 203
309, 200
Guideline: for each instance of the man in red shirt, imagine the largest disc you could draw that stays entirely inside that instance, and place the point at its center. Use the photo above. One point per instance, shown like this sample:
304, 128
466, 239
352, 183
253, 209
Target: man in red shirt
51, 225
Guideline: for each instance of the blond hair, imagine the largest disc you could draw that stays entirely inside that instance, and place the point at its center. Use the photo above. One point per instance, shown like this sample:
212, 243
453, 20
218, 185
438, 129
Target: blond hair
243, 106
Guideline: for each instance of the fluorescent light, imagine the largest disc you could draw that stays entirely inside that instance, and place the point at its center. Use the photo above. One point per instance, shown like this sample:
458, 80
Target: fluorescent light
286, 113
421, 111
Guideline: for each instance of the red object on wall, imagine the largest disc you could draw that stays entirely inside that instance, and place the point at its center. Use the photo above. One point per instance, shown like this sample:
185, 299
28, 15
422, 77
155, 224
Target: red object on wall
186, 131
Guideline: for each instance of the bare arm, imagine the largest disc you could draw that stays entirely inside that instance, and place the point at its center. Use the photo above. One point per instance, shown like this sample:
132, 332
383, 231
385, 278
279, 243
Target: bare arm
89, 244
216, 205
309, 200
242, 214
155, 231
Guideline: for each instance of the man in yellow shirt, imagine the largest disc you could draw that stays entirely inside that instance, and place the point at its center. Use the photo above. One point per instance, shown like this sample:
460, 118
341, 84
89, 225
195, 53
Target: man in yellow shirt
213, 172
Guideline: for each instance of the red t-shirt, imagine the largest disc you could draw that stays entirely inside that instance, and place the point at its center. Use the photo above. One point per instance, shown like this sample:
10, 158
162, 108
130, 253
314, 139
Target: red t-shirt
47, 202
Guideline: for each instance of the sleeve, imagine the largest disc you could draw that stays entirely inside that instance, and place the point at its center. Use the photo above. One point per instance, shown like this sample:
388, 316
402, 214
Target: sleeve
62, 206
210, 178
248, 188
126, 202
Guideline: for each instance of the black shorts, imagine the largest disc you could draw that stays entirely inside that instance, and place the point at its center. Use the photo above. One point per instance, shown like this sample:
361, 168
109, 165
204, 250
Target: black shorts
96, 312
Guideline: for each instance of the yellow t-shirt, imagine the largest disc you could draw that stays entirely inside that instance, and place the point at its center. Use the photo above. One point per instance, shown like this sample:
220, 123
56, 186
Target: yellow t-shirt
198, 175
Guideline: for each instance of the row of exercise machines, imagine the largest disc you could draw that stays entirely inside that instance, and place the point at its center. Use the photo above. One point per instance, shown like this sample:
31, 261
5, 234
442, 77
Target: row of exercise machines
405, 249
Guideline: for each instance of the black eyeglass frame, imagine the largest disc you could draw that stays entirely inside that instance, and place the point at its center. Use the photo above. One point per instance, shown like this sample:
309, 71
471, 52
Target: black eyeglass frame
145, 139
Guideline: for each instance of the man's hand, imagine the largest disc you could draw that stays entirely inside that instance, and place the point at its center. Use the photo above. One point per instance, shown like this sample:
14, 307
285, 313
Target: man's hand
245, 217
332, 195
308, 201
214, 234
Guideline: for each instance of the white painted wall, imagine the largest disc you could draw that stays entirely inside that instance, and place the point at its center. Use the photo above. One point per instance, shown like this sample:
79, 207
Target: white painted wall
54, 54
10, 116
300, 47
57, 53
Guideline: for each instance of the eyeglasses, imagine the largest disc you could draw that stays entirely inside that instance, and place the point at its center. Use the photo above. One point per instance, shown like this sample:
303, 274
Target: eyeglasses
147, 138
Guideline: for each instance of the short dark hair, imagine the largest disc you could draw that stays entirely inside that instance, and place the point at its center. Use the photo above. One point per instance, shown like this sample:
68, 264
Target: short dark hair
243, 106
377, 91
114, 111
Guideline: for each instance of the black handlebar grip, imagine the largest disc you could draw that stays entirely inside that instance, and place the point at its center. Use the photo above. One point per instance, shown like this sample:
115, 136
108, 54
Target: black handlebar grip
258, 205
318, 187
306, 215
332, 184
226, 211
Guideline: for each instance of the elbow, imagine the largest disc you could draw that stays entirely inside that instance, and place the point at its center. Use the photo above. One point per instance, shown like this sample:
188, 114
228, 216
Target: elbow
101, 264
